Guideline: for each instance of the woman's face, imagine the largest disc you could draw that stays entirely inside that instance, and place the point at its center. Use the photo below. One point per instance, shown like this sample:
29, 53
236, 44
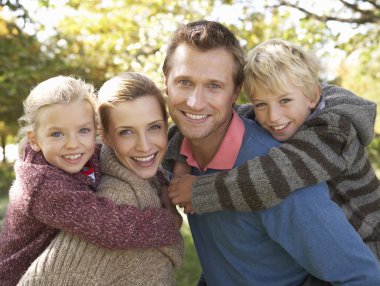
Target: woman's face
137, 133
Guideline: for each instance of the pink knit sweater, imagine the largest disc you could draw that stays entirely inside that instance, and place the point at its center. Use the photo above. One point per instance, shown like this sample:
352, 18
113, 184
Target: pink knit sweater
45, 199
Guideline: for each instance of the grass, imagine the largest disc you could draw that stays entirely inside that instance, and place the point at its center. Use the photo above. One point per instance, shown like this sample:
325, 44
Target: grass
190, 271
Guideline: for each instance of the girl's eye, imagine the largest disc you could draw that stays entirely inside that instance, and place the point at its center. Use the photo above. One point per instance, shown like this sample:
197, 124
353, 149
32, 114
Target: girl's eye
125, 132
56, 134
84, 130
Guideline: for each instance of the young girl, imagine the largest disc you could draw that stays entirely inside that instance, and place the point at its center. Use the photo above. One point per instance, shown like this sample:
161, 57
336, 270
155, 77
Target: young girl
134, 129
55, 182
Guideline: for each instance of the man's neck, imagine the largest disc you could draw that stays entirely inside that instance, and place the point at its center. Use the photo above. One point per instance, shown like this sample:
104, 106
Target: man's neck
205, 149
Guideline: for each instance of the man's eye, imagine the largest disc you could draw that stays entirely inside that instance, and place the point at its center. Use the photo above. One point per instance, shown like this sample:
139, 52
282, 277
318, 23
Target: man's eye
184, 82
214, 86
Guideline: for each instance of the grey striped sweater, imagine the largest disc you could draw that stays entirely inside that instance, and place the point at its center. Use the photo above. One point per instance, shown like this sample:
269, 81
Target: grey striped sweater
329, 147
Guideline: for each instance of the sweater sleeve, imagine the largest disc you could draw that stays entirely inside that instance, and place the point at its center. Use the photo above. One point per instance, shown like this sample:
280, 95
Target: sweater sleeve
318, 152
101, 221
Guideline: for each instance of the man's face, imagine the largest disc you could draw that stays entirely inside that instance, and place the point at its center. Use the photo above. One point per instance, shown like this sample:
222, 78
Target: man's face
201, 92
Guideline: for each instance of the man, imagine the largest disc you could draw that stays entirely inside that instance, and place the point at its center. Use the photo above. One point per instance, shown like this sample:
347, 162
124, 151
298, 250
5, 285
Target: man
306, 233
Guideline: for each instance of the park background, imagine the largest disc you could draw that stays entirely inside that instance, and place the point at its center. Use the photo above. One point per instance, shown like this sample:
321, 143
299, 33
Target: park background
97, 39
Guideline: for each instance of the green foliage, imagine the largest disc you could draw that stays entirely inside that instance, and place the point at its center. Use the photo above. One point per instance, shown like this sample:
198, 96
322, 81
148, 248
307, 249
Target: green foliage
374, 153
6, 179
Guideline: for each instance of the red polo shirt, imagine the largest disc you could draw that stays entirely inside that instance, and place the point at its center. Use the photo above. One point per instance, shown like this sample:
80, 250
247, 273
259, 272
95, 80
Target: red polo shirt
228, 151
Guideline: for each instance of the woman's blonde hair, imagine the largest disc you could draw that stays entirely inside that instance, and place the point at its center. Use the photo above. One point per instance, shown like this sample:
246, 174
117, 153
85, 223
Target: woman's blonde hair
55, 90
126, 86
275, 64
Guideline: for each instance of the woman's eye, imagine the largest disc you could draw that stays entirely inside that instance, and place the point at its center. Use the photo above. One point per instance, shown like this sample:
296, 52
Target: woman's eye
155, 127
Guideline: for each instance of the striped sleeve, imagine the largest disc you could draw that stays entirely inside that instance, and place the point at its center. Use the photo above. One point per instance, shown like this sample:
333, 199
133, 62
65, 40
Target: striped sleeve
317, 153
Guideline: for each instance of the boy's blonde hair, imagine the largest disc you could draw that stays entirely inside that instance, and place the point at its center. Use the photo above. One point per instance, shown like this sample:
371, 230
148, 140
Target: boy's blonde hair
55, 90
126, 86
275, 64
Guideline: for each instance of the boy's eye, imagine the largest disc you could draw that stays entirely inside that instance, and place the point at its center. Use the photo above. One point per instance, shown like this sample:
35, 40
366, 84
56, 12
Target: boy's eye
84, 130
285, 100
56, 134
259, 105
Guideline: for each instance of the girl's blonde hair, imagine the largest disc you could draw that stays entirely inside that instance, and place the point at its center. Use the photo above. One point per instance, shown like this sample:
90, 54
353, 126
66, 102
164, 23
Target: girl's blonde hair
275, 64
55, 90
126, 86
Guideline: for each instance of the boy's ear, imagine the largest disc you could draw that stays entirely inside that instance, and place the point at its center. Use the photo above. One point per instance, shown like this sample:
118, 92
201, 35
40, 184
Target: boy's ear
318, 92
32, 138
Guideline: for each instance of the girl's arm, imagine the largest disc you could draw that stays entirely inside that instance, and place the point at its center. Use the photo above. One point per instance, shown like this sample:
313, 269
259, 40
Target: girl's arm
101, 221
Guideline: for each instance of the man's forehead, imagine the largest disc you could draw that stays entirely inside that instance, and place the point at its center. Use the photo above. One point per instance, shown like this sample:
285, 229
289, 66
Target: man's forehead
217, 64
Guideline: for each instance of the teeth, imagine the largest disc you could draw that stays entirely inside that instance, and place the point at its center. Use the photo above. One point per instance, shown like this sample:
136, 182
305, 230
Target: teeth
72, 157
144, 159
196, 116
279, 127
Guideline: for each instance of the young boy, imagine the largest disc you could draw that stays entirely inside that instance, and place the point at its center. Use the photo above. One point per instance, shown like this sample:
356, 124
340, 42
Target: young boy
327, 137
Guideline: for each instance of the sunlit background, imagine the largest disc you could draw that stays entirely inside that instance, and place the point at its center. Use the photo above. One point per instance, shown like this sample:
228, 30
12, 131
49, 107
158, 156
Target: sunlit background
98, 39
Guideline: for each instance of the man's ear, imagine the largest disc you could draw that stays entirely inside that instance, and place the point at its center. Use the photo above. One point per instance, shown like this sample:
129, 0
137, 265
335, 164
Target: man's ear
32, 138
165, 85
237, 92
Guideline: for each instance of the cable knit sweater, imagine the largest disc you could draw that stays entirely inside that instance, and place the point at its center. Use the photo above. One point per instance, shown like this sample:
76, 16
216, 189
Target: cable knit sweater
69, 260
329, 147
45, 199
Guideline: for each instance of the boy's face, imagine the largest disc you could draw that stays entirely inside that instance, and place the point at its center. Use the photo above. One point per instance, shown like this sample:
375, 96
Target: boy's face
137, 133
282, 114
66, 135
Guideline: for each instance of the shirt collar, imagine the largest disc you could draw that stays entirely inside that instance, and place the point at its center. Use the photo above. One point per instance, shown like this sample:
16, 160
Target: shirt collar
228, 151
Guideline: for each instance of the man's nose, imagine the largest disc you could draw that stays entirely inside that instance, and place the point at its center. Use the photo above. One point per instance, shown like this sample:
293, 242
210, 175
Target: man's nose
197, 99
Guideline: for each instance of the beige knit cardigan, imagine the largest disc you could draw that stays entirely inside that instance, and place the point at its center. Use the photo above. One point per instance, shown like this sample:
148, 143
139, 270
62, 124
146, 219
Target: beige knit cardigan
70, 260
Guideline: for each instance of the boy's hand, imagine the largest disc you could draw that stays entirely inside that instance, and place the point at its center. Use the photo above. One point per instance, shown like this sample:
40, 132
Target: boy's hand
167, 204
180, 190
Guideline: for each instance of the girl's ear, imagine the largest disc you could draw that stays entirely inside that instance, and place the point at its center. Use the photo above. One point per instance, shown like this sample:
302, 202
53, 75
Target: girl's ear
103, 136
32, 138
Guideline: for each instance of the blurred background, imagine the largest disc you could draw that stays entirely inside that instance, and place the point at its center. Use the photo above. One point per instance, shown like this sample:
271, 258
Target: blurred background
97, 39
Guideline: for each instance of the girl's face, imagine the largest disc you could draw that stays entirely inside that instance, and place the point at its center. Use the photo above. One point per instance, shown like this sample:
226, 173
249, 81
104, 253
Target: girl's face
65, 134
137, 133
